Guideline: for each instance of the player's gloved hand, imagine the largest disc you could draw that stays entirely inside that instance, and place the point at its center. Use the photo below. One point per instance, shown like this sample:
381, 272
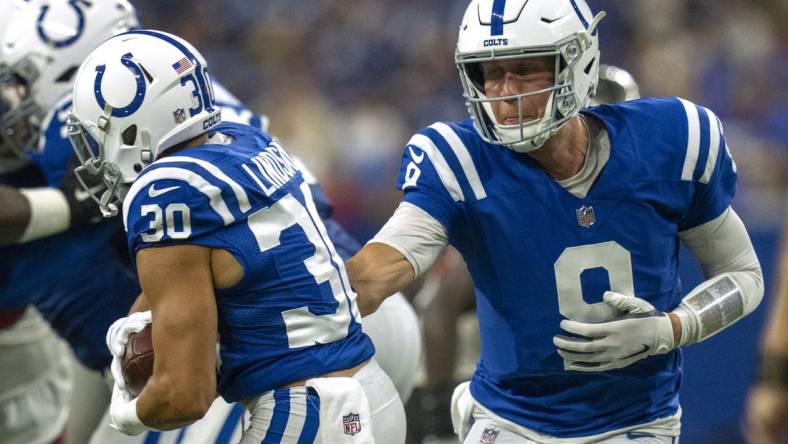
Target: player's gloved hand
117, 337
639, 332
123, 413
83, 209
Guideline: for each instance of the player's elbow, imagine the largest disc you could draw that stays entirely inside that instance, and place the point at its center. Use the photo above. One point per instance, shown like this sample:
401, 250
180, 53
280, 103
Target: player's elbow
754, 289
178, 402
189, 410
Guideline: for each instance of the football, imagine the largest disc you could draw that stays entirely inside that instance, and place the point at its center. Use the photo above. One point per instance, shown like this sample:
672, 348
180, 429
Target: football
137, 363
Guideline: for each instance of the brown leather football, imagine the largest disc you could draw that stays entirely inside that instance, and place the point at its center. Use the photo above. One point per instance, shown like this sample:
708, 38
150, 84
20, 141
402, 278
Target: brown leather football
137, 363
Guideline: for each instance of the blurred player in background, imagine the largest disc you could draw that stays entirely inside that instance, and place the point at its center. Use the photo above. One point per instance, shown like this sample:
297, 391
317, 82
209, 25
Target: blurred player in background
41, 53
449, 294
570, 224
226, 239
767, 406
55, 274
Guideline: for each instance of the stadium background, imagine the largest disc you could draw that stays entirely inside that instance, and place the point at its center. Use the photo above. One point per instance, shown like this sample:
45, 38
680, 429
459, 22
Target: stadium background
346, 82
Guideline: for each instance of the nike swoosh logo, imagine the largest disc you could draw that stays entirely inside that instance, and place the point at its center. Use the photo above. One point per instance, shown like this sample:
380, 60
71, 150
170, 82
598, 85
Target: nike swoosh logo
82, 195
153, 192
645, 349
413, 155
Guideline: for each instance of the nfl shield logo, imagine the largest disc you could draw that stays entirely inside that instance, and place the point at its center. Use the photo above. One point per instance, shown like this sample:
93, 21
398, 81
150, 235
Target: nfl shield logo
489, 434
351, 424
179, 115
585, 216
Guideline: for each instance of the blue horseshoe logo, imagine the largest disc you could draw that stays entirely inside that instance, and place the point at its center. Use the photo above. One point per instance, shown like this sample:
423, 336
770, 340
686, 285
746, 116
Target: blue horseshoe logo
139, 95
67, 41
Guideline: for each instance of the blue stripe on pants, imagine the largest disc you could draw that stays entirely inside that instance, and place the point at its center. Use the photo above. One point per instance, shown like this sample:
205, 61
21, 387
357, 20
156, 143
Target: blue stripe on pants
276, 427
229, 424
312, 421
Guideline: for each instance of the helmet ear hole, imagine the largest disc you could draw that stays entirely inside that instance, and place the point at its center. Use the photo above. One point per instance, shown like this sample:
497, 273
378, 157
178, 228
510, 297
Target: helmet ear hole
475, 74
129, 135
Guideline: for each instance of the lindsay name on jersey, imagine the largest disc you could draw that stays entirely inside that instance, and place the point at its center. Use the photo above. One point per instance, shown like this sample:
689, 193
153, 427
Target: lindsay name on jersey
271, 169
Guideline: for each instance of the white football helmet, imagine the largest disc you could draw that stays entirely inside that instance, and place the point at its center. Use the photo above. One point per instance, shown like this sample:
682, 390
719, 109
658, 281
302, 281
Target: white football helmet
135, 96
615, 85
500, 30
40, 51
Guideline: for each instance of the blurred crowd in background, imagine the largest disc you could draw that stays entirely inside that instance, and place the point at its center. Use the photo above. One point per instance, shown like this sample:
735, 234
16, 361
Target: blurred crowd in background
347, 82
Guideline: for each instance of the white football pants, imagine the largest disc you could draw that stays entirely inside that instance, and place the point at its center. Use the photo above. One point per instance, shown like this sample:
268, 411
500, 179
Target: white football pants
297, 422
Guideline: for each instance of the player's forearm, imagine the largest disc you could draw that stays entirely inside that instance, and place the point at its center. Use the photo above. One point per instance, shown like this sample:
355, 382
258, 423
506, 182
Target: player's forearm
141, 304
28, 214
376, 272
162, 407
734, 285
177, 282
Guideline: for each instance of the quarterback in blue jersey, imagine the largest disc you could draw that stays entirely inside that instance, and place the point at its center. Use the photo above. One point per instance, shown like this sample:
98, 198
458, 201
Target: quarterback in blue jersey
229, 248
569, 220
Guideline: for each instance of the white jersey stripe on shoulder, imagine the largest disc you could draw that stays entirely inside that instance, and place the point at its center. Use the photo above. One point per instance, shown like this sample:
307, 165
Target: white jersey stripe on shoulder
461, 151
693, 140
444, 172
308, 176
714, 146
240, 194
213, 193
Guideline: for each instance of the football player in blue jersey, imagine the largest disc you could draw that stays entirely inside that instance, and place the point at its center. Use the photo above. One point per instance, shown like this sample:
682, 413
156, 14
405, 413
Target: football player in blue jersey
570, 221
36, 196
229, 248
37, 72
452, 295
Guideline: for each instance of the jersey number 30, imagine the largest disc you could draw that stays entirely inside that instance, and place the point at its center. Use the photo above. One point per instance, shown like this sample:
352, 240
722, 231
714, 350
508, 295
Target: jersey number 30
303, 327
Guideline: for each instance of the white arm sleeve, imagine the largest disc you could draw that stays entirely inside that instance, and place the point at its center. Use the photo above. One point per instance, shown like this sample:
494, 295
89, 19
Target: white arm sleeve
734, 285
415, 234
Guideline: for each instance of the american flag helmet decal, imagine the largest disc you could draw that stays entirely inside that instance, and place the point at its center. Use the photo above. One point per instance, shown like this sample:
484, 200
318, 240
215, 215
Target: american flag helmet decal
182, 65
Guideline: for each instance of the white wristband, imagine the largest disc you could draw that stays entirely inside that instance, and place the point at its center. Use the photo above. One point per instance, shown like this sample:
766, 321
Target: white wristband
49, 213
124, 418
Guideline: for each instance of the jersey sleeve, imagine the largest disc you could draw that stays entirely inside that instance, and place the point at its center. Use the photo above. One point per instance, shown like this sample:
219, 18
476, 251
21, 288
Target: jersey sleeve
53, 152
428, 181
708, 164
162, 209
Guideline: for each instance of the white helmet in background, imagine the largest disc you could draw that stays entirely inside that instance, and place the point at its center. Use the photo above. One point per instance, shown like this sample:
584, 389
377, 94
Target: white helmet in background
503, 30
7, 10
40, 52
135, 96
615, 85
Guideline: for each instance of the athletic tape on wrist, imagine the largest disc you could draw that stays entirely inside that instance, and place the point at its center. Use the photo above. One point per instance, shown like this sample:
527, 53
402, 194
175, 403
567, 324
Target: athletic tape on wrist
49, 213
710, 310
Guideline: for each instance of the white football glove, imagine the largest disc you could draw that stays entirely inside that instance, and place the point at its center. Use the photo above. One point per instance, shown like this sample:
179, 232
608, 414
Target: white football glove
123, 413
117, 337
640, 332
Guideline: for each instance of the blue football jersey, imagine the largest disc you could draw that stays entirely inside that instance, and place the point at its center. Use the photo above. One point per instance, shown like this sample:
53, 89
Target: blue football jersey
538, 254
293, 315
80, 280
